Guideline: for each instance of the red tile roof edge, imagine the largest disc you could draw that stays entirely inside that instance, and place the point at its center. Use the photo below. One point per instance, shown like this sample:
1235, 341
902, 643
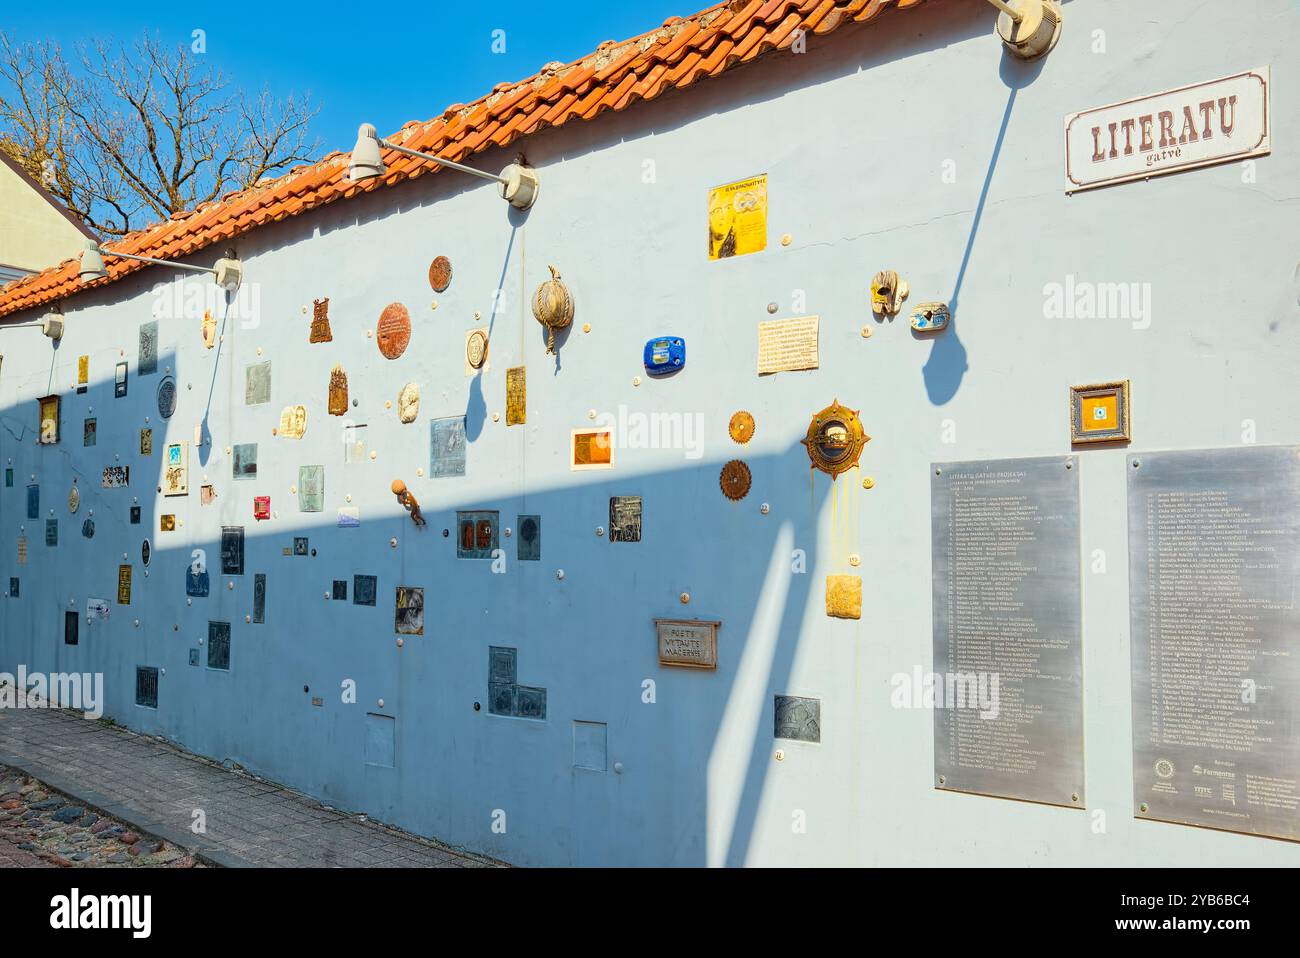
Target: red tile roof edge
613, 77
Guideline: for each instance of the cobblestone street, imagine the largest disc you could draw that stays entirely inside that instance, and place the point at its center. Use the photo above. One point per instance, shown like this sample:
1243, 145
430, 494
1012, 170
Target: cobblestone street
88, 773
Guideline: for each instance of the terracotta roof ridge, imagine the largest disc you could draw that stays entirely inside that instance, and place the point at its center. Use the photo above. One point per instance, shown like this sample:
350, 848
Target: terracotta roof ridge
674, 55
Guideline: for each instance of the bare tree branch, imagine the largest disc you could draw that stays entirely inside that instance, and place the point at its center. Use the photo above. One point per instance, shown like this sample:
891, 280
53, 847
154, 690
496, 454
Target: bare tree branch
121, 135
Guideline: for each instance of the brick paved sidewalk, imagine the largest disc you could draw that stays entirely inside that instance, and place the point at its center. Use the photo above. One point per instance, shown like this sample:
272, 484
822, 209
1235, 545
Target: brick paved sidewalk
156, 786
11, 856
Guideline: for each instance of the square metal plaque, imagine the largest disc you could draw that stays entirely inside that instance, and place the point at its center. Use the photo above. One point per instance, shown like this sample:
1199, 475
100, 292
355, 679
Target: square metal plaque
1214, 562
687, 643
1007, 685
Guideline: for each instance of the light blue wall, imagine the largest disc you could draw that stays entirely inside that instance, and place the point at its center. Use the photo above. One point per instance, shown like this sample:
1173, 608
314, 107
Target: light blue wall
853, 136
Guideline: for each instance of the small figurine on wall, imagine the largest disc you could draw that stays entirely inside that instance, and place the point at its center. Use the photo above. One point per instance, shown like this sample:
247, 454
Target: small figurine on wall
209, 329
888, 292
408, 501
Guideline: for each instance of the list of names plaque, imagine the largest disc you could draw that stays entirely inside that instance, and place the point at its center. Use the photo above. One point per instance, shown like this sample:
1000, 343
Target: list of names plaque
1007, 681
1214, 570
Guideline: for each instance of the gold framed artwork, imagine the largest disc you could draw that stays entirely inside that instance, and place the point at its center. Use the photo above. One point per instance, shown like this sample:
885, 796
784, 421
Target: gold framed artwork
49, 433
1100, 413
591, 448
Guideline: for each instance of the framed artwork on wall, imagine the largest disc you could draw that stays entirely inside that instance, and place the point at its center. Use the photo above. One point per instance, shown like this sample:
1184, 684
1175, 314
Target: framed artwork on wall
1100, 413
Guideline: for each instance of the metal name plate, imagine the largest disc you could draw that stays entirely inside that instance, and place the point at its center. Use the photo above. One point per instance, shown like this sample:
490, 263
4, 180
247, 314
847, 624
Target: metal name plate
1214, 558
1214, 121
687, 643
1007, 685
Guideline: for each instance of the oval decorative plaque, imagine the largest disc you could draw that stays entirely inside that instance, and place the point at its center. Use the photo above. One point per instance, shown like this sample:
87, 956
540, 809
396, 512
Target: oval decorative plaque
146, 552
167, 397
440, 274
476, 345
393, 331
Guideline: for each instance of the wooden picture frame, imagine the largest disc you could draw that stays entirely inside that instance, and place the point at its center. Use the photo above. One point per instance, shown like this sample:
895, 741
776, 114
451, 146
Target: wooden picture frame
1101, 412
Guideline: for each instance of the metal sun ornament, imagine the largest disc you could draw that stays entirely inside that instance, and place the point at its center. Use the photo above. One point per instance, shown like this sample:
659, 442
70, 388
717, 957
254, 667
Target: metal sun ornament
835, 439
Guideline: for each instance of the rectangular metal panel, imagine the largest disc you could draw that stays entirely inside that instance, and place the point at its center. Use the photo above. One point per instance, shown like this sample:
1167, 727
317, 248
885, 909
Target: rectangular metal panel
1214, 561
1007, 686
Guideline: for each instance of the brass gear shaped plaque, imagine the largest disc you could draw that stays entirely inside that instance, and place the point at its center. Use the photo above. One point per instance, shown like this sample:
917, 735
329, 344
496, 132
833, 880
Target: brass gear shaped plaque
735, 480
741, 427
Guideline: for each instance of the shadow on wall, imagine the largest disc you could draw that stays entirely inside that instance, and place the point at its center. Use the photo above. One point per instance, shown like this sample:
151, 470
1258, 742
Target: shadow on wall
587, 639
420, 746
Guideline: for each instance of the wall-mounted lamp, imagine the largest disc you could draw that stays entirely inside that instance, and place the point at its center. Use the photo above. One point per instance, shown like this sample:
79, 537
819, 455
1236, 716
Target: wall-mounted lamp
519, 183
1028, 28
51, 324
228, 271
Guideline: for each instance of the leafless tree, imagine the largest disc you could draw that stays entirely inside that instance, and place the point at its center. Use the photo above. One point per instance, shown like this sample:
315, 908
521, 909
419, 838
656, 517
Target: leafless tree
124, 135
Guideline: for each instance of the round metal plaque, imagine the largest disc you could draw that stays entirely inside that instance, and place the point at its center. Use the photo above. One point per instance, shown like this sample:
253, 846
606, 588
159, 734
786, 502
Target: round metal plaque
741, 427
74, 500
735, 480
476, 345
440, 274
146, 551
167, 397
394, 330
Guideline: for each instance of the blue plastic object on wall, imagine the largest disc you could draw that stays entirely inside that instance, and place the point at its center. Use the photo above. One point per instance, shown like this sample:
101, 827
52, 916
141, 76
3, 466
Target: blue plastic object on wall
665, 355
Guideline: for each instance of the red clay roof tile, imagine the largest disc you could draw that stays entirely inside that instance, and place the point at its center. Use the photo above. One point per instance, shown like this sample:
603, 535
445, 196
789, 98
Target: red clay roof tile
613, 77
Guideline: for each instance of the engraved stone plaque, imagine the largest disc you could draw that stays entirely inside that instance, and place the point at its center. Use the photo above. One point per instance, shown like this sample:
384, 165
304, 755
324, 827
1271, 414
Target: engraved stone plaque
1214, 558
691, 644
1007, 685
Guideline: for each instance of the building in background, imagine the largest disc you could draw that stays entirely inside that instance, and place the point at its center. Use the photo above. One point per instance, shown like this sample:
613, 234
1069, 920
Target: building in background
36, 230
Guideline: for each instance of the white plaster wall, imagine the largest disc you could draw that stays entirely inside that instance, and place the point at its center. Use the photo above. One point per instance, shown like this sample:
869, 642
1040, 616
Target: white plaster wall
853, 136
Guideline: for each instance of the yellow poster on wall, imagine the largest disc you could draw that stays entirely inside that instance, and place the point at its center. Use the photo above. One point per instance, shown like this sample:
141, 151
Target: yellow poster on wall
738, 218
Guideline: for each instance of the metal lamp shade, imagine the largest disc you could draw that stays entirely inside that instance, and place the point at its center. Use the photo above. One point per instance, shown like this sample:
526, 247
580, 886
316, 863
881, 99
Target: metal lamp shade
92, 263
366, 161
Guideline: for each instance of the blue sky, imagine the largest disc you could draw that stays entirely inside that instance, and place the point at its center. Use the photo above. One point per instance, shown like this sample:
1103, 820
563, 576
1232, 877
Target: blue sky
386, 65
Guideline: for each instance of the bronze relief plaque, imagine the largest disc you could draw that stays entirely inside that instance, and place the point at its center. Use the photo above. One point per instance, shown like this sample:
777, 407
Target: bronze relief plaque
394, 330
687, 643
440, 274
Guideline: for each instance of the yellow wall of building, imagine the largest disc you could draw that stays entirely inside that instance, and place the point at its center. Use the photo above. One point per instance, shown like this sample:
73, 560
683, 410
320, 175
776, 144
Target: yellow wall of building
33, 234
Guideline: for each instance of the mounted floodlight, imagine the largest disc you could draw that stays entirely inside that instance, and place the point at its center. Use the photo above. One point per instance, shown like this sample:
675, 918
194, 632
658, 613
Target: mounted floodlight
228, 272
519, 183
1028, 28
51, 324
